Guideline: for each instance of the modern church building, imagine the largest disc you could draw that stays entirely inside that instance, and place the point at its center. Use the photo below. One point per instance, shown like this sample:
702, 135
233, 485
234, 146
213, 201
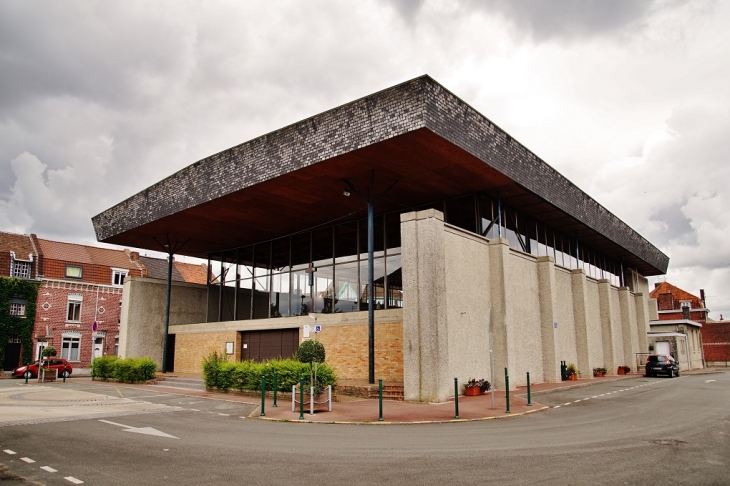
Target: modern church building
478, 249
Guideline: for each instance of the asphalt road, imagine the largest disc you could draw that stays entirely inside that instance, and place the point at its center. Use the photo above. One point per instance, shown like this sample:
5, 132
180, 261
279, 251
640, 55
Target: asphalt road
637, 431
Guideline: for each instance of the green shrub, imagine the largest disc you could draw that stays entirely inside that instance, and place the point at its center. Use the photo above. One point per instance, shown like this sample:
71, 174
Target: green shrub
311, 351
246, 375
103, 367
49, 351
134, 369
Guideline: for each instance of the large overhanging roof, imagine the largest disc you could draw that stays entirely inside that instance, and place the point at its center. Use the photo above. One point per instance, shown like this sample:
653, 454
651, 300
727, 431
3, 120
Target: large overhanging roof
418, 133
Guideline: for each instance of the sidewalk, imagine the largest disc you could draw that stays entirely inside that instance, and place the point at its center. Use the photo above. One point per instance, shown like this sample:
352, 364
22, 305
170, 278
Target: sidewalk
365, 411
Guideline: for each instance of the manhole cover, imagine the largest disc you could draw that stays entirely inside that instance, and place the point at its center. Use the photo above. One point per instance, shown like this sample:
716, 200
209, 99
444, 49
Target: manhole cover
673, 442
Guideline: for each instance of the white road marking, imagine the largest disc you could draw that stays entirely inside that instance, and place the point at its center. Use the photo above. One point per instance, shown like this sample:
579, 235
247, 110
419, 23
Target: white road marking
576, 401
140, 430
49, 469
73, 480
27, 459
556, 406
586, 399
594, 396
224, 414
566, 404
709, 381
8, 451
195, 410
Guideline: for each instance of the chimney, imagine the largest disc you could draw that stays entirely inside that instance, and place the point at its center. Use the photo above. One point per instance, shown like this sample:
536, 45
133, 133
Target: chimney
657, 284
134, 256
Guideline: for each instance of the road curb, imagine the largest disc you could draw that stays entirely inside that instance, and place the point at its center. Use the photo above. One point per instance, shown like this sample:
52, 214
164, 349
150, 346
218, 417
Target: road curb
415, 422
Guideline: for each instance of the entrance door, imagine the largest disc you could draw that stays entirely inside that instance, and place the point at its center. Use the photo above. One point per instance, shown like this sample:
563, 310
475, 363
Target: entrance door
170, 358
12, 354
39, 349
263, 345
98, 348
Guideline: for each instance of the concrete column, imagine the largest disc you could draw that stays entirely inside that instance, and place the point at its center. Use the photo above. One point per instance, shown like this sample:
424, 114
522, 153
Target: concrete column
548, 316
502, 331
608, 320
642, 321
653, 310
425, 333
628, 327
580, 317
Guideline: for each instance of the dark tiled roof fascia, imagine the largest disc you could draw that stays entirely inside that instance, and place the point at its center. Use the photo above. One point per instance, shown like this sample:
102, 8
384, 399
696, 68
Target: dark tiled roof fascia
415, 104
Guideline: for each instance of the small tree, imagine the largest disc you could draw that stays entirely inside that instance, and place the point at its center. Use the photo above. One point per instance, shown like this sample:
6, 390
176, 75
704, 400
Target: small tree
311, 351
49, 352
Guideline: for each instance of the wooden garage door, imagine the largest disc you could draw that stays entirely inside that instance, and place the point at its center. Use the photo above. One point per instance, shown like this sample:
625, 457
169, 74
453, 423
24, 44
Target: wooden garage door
263, 345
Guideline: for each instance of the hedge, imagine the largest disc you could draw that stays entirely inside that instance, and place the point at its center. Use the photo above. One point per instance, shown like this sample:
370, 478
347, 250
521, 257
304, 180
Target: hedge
129, 369
246, 375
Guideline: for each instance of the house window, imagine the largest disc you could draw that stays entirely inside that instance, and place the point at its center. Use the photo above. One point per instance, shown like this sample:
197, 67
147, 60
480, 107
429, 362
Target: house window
21, 269
70, 347
685, 303
118, 276
17, 307
74, 308
116, 345
74, 271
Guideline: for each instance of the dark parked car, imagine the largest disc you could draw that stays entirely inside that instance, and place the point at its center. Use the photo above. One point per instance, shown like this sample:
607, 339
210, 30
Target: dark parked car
662, 365
31, 370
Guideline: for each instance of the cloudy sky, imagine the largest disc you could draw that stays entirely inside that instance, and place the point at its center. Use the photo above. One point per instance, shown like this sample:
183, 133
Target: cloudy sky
628, 99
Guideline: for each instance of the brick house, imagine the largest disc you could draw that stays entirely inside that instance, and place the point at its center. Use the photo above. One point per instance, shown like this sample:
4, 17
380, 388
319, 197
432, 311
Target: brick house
81, 295
680, 325
19, 258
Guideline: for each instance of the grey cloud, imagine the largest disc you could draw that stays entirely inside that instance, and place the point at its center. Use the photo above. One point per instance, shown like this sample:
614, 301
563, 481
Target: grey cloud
566, 19
678, 228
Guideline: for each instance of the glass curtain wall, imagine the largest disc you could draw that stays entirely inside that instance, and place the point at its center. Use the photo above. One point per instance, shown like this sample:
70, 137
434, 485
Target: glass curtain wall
325, 269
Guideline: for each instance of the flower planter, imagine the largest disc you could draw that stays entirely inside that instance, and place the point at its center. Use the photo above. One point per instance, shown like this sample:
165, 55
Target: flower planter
573, 377
598, 374
472, 391
621, 370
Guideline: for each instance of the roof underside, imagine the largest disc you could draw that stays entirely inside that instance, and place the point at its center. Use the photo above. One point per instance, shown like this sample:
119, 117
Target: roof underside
418, 133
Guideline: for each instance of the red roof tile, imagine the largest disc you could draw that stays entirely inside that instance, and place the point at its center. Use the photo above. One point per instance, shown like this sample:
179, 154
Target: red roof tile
20, 244
72, 252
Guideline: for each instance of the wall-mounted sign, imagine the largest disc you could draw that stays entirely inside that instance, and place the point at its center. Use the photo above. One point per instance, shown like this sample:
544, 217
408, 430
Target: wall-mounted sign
95, 326
318, 328
555, 325
229, 347
305, 331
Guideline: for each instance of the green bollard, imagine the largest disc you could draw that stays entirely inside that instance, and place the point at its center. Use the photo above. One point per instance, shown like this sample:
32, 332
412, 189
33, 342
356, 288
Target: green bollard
456, 398
380, 399
26, 378
275, 389
301, 398
529, 399
263, 395
506, 389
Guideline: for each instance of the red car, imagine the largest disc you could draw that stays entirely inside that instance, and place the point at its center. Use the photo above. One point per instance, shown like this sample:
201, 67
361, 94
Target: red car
31, 370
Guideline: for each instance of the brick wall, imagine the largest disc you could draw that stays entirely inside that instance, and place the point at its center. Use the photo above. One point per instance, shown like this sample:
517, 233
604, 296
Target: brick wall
716, 341
347, 350
99, 302
100, 274
191, 348
346, 347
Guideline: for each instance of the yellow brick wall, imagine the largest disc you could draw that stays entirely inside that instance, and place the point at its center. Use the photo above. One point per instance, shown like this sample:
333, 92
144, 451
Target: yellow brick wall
347, 350
191, 348
346, 347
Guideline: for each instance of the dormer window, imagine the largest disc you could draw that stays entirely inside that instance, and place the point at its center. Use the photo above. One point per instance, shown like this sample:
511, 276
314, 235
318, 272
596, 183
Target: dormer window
20, 269
118, 276
685, 304
74, 271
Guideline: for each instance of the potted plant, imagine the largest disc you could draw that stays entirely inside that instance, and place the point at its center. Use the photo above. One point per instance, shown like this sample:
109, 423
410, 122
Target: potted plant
624, 370
474, 387
572, 372
599, 372
312, 352
48, 352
